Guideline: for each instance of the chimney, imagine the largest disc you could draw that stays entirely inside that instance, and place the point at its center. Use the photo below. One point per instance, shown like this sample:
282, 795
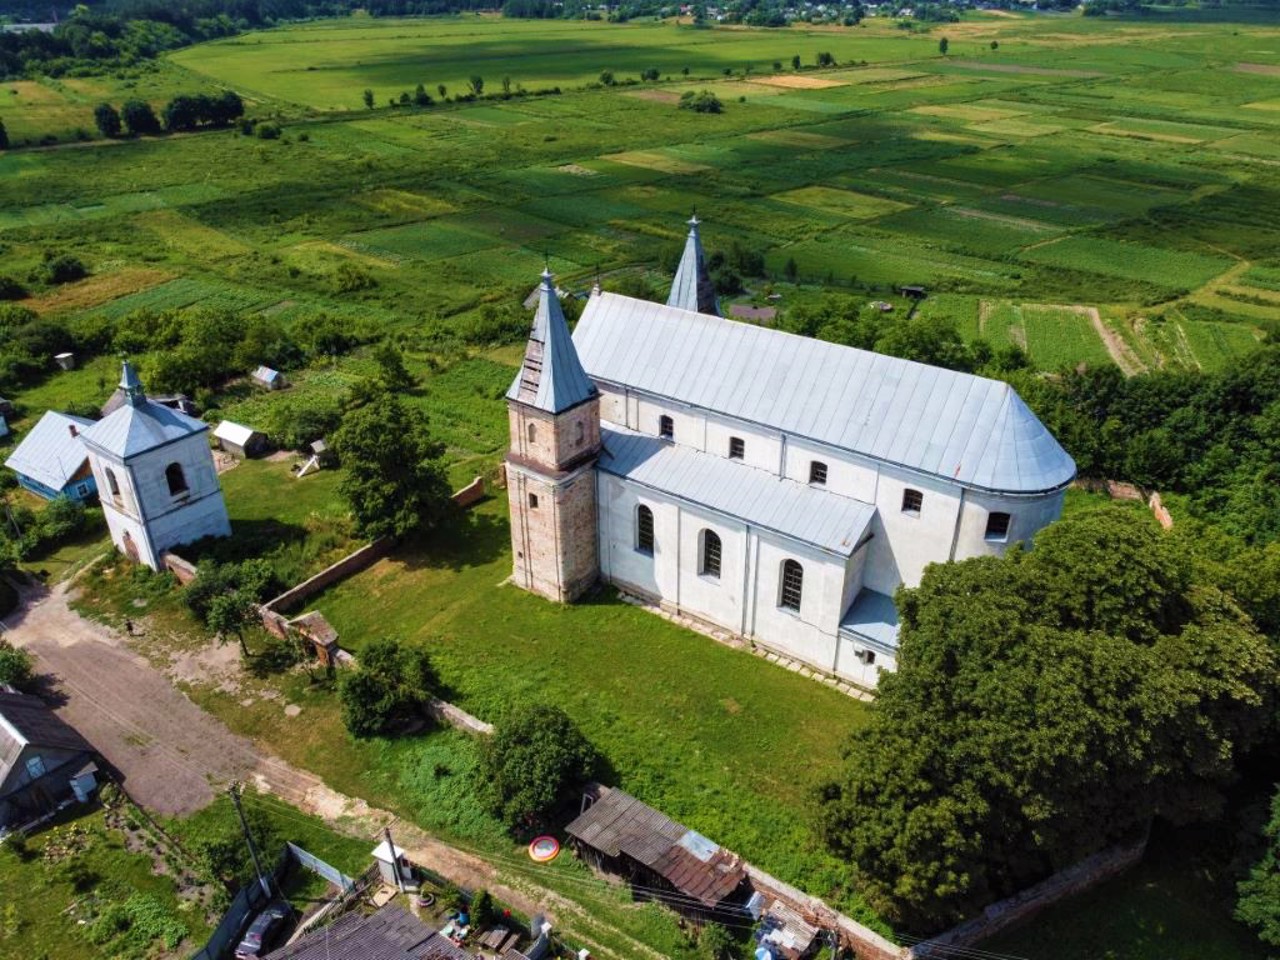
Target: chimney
72, 428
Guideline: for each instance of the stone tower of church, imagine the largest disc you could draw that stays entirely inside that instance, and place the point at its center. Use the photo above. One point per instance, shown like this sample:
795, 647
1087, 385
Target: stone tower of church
554, 413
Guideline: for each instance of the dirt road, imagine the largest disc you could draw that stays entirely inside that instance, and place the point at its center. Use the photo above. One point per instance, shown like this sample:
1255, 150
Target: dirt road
172, 756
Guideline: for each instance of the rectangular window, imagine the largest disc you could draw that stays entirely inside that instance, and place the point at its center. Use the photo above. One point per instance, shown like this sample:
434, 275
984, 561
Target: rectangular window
912, 501
644, 529
998, 527
533, 501
666, 428
817, 471
35, 767
737, 448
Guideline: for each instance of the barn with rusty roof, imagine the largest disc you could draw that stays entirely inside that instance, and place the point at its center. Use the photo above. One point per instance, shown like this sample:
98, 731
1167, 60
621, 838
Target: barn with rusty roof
662, 859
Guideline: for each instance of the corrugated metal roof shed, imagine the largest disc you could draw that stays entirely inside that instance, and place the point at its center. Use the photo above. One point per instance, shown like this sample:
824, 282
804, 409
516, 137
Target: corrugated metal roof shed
51, 453
957, 426
132, 430
265, 374
234, 433
617, 823
551, 377
754, 496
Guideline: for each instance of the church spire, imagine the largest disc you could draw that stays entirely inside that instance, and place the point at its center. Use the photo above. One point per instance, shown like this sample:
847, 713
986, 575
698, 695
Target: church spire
692, 288
131, 385
551, 377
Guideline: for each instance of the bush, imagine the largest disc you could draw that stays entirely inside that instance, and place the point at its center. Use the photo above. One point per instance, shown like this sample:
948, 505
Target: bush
11, 289
393, 681
269, 131
17, 667
61, 268
536, 760
702, 102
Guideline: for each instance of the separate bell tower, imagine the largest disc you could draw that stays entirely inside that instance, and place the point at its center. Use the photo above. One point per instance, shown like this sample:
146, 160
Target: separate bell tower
554, 413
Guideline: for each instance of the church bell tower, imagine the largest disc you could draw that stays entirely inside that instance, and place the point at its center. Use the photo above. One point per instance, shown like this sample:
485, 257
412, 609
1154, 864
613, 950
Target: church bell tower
554, 414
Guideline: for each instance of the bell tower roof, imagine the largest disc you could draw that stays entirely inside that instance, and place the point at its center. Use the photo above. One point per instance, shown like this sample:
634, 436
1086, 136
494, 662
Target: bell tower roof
551, 378
692, 289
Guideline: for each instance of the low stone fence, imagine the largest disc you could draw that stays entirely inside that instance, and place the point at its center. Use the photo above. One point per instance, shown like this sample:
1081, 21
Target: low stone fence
352, 563
1117, 490
184, 570
445, 712
471, 494
1022, 906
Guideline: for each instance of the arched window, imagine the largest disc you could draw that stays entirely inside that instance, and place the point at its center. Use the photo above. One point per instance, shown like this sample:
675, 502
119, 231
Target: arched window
792, 585
177, 480
112, 484
644, 529
581, 433
710, 565
532, 432
912, 501
998, 526
666, 427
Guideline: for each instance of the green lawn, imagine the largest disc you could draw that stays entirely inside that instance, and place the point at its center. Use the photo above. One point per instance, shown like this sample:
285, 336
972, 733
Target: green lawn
716, 737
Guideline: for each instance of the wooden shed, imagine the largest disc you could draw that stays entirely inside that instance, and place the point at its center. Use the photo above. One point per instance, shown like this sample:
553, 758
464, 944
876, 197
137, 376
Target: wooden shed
662, 859
239, 440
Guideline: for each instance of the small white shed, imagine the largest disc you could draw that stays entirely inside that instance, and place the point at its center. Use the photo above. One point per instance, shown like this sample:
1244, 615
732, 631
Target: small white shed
389, 859
239, 440
66, 361
268, 378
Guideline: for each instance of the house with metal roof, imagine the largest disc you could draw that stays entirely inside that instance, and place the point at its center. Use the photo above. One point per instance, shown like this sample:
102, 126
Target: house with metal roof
154, 468
239, 440
772, 486
51, 461
43, 761
390, 933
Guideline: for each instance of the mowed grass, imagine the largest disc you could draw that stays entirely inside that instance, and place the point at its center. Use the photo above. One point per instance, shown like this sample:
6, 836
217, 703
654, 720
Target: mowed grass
715, 737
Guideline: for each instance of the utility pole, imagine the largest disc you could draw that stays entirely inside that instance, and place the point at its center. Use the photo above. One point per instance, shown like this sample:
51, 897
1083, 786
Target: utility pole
395, 859
253, 851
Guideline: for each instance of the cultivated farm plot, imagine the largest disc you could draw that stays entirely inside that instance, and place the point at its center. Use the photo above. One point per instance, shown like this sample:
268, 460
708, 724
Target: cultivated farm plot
1058, 336
186, 293
191, 237
98, 289
845, 203
1173, 269
1164, 131
659, 160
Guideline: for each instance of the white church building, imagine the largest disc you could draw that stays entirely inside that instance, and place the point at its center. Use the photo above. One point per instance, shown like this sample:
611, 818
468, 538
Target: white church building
155, 475
773, 486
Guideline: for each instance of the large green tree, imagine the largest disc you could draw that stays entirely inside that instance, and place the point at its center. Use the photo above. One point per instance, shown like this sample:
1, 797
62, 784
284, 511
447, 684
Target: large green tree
394, 482
1045, 705
535, 761
1259, 903
107, 119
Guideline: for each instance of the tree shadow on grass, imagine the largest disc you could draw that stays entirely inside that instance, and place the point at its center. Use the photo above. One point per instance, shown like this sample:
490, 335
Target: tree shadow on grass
249, 539
462, 541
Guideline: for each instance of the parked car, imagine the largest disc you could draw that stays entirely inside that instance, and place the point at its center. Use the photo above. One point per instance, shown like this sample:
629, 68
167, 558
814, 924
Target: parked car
262, 933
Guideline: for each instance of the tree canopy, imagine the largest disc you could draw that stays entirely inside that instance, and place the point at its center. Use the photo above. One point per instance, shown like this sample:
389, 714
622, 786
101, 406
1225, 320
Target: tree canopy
1259, 904
536, 760
392, 681
1046, 704
395, 482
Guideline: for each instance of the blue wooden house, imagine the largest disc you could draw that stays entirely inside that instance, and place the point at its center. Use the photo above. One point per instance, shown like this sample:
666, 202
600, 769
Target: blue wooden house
51, 461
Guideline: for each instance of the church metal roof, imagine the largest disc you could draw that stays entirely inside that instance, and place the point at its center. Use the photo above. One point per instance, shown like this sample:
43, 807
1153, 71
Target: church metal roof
692, 288
551, 377
52, 452
748, 494
961, 427
134, 430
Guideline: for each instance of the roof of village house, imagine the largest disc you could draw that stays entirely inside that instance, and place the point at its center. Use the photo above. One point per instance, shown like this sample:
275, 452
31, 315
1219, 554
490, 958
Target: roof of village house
234, 433
391, 933
758, 497
957, 426
28, 720
139, 425
617, 823
50, 453
551, 377
693, 288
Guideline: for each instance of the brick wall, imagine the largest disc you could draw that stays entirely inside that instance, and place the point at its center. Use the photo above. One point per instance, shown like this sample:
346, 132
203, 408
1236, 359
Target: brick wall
366, 556
471, 494
1022, 906
184, 570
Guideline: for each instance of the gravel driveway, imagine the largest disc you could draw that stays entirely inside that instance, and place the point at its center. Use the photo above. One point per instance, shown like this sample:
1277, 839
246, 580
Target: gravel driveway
171, 755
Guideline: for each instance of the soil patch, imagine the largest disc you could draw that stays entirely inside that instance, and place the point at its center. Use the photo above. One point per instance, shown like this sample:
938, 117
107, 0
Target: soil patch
1265, 69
